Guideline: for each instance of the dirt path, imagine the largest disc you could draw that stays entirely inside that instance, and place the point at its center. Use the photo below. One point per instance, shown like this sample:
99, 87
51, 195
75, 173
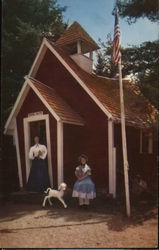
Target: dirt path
104, 225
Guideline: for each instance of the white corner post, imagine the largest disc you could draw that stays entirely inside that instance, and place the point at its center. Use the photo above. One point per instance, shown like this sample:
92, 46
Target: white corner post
27, 146
60, 174
79, 51
111, 159
91, 55
18, 154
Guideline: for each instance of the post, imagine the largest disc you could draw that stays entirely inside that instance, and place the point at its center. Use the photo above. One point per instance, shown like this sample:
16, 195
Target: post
124, 145
59, 152
79, 47
18, 155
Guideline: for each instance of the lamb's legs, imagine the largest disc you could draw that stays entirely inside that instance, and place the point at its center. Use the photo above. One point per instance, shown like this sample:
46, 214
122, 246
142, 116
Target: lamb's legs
49, 201
62, 201
44, 201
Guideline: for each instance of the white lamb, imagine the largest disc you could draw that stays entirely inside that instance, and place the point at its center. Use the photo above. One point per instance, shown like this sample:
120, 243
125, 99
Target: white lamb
56, 194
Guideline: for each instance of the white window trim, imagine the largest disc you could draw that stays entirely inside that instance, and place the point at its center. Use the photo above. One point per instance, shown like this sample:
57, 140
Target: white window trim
111, 159
150, 143
18, 154
60, 170
26, 122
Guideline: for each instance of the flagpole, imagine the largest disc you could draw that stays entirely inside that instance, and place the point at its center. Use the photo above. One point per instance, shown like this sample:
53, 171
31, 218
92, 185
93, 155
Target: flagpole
124, 144
117, 60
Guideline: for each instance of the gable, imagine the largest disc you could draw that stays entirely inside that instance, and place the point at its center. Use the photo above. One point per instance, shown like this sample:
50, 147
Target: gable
72, 72
57, 107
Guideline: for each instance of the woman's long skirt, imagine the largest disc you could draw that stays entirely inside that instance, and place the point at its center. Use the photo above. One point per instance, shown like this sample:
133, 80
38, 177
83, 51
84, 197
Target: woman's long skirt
84, 189
38, 178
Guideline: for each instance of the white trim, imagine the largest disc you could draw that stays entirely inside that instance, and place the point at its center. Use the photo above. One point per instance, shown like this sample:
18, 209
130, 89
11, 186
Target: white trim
27, 143
24, 91
48, 139
78, 79
43, 100
18, 155
27, 146
60, 174
38, 59
111, 159
79, 51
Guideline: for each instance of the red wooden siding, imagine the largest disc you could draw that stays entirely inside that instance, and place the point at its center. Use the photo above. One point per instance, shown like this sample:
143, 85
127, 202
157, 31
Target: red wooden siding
143, 164
33, 104
72, 149
95, 138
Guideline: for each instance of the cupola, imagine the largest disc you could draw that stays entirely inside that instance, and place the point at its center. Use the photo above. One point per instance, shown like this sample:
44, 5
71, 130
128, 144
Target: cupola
80, 46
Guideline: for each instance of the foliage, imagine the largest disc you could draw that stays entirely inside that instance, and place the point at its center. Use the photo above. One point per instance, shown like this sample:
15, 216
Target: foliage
134, 9
139, 62
24, 24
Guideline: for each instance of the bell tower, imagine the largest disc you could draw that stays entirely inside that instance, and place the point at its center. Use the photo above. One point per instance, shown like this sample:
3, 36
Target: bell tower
80, 46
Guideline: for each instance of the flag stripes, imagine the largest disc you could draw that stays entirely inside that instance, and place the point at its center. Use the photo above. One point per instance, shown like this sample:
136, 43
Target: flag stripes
116, 42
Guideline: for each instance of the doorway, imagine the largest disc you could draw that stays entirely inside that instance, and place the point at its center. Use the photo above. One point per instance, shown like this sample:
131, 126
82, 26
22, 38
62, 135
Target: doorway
38, 128
37, 125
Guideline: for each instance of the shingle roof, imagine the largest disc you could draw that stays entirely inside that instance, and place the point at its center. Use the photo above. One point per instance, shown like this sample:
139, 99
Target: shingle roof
74, 33
60, 107
138, 110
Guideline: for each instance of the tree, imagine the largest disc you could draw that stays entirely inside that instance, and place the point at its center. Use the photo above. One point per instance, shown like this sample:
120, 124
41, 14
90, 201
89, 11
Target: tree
139, 62
148, 78
105, 66
134, 9
24, 24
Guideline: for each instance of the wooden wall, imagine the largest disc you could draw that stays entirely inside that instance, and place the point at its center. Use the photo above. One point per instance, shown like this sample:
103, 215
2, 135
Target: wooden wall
143, 164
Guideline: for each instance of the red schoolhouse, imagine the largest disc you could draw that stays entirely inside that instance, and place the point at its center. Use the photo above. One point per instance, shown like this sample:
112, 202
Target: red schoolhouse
75, 111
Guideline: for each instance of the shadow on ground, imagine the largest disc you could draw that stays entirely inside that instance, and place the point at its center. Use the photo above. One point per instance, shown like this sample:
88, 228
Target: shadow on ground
102, 210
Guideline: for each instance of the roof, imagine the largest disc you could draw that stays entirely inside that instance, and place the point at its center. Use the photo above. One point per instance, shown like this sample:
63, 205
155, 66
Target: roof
76, 33
104, 91
61, 108
55, 104
138, 110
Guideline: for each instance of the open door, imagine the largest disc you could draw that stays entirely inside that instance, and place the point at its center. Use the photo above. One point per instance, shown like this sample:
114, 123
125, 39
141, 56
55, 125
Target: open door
38, 128
37, 125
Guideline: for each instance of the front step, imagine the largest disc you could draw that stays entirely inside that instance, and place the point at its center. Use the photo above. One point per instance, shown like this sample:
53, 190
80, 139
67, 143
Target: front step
26, 197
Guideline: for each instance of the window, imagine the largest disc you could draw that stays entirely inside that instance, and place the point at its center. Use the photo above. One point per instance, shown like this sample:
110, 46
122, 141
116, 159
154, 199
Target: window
145, 142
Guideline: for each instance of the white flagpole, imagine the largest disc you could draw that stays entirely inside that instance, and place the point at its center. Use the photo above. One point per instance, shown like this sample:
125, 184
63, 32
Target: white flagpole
124, 145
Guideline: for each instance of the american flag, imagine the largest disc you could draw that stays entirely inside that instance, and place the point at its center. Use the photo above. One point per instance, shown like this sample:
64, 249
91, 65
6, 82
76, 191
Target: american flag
116, 42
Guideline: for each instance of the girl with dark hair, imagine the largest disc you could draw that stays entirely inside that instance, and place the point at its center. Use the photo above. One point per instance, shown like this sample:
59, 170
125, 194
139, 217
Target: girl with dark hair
84, 187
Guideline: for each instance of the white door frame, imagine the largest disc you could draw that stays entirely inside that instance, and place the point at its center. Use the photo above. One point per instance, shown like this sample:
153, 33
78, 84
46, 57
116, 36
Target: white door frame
111, 159
26, 123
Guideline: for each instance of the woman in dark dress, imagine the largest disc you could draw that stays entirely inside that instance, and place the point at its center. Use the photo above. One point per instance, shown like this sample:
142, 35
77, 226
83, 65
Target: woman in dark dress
38, 180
